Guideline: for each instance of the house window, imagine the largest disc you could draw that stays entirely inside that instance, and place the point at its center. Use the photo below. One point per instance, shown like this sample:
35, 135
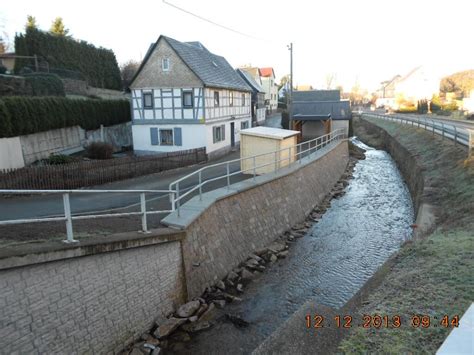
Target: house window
147, 100
165, 64
166, 137
187, 99
243, 99
216, 98
231, 98
218, 133
244, 125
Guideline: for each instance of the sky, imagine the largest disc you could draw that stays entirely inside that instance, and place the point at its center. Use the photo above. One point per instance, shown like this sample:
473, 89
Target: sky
359, 42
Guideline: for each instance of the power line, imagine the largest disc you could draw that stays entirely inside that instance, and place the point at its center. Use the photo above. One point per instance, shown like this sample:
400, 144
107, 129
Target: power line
212, 22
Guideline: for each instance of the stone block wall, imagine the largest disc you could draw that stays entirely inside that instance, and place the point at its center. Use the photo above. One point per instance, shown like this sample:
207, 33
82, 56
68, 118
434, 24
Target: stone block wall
92, 304
235, 226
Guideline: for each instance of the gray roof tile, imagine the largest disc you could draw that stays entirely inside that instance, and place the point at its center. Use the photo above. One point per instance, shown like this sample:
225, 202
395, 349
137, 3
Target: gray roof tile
339, 110
250, 80
317, 95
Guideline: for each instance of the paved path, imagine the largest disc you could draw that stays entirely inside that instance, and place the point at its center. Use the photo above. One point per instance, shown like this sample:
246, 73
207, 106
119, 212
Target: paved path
51, 205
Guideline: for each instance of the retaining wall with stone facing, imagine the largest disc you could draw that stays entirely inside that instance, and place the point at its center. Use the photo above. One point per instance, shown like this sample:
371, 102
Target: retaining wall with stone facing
100, 295
250, 216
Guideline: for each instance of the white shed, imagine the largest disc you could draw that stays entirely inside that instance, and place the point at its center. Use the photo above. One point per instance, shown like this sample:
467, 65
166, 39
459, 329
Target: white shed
260, 140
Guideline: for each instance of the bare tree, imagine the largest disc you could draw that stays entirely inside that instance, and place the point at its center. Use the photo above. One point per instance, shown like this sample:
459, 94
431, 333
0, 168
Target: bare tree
127, 71
330, 80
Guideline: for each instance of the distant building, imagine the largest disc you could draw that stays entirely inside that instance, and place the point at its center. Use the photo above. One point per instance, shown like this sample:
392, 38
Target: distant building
319, 112
267, 75
258, 96
185, 97
303, 87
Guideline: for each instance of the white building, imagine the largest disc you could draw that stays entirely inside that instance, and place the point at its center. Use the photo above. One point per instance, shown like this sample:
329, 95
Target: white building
267, 76
185, 97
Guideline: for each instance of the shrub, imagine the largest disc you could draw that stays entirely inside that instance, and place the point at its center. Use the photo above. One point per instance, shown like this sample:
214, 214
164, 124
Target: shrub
44, 84
3, 69
68, 57
58, 159
100, 150
28, 115
411, 109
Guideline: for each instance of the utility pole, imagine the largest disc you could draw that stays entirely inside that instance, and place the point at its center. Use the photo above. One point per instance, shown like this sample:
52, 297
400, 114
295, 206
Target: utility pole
290, 101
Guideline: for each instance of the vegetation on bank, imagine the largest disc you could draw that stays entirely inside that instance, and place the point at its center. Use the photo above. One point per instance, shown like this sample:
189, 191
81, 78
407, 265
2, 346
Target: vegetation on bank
20, 115
432, 276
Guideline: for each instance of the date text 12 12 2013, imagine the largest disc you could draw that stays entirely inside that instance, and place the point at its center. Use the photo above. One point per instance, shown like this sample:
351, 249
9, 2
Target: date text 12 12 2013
381, 321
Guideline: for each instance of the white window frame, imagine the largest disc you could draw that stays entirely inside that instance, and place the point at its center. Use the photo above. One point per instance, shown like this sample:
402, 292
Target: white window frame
165, 64
161, 135
216, 99
218, 133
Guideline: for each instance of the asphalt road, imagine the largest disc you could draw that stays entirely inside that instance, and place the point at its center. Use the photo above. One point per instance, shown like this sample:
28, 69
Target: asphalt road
35, 206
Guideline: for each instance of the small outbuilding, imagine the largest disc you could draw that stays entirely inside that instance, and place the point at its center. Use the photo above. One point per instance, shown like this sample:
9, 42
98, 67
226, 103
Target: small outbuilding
259, 140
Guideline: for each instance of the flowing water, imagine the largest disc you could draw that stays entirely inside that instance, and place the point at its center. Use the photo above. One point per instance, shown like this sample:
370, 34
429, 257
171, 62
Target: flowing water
354, 237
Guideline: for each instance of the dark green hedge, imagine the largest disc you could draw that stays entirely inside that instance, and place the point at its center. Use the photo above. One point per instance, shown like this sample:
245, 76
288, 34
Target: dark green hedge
97, 65
43, 84
25, 115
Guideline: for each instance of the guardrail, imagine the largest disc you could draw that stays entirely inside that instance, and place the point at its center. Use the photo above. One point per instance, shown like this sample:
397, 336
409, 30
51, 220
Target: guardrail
68, 217
277, 158
450, 131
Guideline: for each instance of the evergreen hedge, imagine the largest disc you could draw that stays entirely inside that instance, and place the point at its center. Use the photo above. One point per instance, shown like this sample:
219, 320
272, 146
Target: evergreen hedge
98, 65
44, 84
21, 115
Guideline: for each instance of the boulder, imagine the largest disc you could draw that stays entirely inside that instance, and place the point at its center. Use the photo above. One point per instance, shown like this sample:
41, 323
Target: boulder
232, 276
240, 288
273, 258
251, 263
188, 309
220, 285
246, 275
180, 336
277, 247
209, 314
219, 303
283, 254
196, 327
201, 309
168, 327
256, 258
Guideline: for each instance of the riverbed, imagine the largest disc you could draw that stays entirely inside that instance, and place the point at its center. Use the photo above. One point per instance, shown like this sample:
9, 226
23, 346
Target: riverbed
355, 236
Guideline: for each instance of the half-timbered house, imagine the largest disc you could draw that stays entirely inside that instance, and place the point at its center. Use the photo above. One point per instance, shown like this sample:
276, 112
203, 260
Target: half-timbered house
185, 97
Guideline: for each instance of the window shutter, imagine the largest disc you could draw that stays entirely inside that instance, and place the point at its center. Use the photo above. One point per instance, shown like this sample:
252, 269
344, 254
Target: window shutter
177, 136
154, 136
223, 132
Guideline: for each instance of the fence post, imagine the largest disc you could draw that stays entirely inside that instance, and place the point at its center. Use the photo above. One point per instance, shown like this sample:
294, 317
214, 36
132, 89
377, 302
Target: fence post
442, 130
433, 127
228, 176
200, 185
67, 214
178, 201
143, 211
455, 135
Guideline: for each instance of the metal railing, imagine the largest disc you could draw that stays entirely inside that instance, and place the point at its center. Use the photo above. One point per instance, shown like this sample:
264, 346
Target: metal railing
445, 130
275, 159
69, 217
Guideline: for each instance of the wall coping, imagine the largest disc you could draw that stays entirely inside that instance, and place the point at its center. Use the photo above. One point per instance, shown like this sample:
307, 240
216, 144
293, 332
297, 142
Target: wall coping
28, 254
192, 209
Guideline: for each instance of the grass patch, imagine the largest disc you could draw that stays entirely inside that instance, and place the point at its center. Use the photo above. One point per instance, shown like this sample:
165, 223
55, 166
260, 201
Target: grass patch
433, 276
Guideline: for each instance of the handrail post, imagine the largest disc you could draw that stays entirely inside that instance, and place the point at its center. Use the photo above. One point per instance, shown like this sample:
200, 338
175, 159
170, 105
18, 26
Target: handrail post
67, 214
433, 127
200, 185
442, 130
228, 175
178, 201
143, 211
455, 135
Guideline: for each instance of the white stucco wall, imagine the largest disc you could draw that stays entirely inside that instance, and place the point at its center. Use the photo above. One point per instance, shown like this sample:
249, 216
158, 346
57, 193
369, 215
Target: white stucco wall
193, 136
211, 146
11, 155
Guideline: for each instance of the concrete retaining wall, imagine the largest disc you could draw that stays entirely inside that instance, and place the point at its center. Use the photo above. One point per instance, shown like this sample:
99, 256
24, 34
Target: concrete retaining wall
92, 304
11, 156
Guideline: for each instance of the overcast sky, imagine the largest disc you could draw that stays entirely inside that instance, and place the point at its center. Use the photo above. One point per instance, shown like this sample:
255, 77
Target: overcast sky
358, 40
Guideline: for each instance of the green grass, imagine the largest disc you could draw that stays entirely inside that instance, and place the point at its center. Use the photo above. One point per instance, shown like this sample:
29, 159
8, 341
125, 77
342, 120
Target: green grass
432, 276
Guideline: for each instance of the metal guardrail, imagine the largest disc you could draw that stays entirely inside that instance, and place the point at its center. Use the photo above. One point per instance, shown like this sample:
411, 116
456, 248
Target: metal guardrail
300, 151
445, 130
68, 217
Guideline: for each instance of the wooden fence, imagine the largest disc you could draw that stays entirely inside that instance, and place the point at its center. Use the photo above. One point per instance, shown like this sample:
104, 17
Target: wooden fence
96, 172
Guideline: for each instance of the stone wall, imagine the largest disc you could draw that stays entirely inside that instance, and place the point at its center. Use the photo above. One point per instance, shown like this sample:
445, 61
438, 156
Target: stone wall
92, 304
233, 227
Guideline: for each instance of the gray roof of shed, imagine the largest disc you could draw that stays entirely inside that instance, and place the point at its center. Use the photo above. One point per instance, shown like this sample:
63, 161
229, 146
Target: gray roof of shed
317, 95
339, 110
250, 80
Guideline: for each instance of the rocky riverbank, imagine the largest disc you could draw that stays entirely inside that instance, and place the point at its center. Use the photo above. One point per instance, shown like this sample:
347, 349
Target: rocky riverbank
169, 335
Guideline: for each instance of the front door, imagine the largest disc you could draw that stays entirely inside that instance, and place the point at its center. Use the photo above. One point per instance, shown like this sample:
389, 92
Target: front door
232, 134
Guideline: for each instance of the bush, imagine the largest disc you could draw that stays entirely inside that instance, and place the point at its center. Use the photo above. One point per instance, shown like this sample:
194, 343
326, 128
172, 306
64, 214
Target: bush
100, 150
25, 115
3, 69
67, 56
407, 110
58, 159
44, 84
